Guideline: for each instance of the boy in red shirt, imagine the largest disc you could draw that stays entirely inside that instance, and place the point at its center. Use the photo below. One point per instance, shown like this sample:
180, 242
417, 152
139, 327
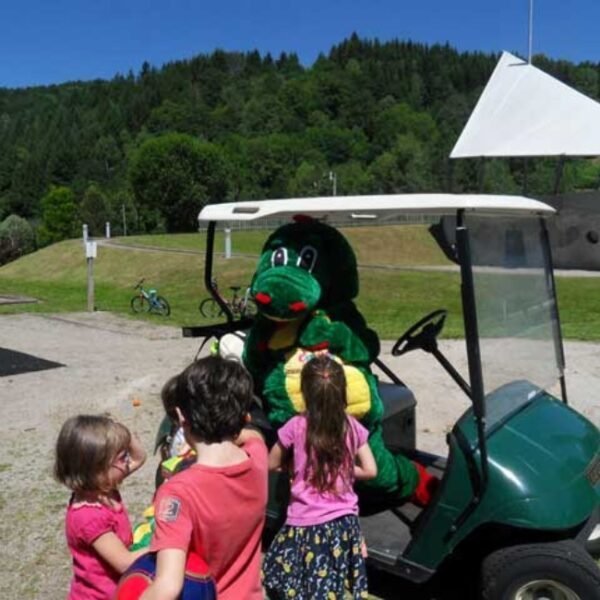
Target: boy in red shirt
216, 507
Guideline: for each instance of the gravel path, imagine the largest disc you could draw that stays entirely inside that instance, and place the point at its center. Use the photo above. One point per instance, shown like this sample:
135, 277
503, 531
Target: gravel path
108, 362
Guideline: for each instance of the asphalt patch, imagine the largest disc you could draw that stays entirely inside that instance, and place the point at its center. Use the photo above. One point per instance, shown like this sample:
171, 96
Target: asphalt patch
15, 363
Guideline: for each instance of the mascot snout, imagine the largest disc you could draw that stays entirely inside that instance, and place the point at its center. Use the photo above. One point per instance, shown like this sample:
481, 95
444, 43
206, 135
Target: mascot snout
285, 292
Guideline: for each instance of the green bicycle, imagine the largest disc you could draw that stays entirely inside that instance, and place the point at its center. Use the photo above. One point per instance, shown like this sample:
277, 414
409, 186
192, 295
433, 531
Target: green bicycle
149, 301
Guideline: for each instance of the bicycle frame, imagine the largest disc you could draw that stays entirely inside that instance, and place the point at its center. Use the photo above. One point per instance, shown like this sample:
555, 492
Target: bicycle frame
209, 281
155, 302
239, 302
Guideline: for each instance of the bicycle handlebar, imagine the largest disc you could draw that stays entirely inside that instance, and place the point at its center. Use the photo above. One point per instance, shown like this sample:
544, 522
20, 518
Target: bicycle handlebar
139, 283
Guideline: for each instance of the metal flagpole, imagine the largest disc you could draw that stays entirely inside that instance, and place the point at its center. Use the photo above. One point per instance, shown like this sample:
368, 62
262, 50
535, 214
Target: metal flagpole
530, 28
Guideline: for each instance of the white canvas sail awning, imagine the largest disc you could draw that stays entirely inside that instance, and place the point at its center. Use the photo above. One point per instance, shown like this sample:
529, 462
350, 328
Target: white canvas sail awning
526, 112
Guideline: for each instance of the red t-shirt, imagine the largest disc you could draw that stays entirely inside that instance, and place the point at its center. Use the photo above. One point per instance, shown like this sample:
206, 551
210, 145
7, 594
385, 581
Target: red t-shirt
219, 513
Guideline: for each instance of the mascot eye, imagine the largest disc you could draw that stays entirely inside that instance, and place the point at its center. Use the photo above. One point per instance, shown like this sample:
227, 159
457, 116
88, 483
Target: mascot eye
307, 258
279, 258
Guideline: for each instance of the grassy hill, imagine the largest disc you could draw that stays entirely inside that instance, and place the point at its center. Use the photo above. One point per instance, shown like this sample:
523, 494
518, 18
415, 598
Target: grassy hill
391, 298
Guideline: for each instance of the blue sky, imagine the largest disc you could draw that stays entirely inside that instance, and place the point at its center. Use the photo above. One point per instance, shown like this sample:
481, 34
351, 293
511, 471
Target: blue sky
53, 41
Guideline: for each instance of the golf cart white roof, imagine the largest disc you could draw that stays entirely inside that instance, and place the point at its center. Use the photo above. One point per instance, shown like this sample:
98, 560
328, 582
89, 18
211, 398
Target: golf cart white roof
375, 208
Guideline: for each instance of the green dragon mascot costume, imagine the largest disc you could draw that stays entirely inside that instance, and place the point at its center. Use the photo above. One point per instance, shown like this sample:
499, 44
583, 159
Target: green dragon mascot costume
304, 287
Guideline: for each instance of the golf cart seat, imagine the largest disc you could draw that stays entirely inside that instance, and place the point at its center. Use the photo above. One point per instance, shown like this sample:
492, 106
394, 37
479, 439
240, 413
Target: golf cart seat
398, 416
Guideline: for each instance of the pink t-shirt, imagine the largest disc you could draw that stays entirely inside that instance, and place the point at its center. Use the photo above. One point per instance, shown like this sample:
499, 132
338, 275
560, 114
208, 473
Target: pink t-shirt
219, 513
93, 578
307, 505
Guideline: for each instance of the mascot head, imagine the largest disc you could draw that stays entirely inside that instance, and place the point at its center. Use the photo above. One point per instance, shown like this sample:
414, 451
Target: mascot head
303, 266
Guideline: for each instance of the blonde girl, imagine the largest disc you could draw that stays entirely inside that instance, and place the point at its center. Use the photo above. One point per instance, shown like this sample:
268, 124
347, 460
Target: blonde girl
94, 454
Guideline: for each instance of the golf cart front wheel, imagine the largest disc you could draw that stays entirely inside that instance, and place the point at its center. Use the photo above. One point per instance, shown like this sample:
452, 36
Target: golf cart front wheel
552, 571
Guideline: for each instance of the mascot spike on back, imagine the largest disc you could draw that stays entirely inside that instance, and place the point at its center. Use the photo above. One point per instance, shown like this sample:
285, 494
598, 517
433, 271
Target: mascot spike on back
304, 288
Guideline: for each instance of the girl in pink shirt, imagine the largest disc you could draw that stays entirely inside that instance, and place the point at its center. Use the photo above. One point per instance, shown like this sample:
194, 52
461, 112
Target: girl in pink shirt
93, 456
318, 552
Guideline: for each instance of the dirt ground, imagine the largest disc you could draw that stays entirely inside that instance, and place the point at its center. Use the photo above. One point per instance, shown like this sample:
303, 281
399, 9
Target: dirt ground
110, 361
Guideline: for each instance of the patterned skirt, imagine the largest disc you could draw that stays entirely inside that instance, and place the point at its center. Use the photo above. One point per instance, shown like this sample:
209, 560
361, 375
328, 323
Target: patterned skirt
316, 562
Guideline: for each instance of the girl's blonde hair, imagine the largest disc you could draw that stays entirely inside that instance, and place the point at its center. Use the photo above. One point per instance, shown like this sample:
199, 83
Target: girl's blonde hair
87, 446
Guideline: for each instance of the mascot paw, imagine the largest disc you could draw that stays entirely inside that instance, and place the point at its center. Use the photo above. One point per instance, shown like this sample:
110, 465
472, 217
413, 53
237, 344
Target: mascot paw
426, 487
317, 333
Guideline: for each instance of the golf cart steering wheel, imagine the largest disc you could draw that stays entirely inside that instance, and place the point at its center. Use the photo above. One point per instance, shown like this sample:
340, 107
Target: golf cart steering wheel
422, 334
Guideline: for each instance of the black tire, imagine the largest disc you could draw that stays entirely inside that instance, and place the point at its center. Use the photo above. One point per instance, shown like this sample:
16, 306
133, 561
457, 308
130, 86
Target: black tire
162, 306
210, 309
250, 309
139, 304
593, 547
554, 571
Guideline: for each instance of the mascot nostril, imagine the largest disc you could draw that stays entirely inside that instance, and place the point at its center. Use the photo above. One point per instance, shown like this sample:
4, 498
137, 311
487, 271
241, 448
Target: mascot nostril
297, 307
262, 298
308, 278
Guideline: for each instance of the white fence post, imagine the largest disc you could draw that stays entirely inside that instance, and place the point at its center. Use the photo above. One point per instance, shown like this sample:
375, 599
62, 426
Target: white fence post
227, 242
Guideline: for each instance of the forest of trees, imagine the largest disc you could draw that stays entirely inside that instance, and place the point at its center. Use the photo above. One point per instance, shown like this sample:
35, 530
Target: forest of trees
149, 149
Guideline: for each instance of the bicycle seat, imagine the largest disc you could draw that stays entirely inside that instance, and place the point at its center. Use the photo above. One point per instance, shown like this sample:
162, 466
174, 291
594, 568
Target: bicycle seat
235, 288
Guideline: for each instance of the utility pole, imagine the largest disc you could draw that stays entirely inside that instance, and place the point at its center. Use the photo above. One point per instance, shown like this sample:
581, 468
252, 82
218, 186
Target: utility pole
124, 219
530, 29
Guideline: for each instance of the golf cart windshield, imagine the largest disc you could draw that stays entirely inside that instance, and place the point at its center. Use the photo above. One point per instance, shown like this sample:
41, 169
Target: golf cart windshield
516, 312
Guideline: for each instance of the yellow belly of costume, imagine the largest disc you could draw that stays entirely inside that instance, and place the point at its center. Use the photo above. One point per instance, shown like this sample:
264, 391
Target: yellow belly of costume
358, 392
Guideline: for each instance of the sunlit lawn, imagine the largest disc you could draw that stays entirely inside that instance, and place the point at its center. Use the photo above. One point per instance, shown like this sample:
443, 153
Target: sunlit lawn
390, 298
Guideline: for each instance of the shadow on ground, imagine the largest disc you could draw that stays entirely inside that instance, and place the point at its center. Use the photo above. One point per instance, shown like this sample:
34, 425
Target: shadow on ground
15, 363
384, 586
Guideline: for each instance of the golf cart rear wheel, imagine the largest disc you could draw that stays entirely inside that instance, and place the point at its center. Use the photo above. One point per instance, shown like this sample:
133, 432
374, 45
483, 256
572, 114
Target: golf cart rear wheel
553, 571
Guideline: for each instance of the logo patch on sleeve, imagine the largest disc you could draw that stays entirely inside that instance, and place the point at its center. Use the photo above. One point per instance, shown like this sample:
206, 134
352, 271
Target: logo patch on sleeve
168, 511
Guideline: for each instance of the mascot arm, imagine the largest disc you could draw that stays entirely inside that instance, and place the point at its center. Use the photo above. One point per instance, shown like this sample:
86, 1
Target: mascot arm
322, 333
255, 346
347, 313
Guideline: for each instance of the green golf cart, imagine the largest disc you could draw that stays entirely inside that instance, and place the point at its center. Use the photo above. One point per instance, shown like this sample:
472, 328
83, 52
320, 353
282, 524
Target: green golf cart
517, 513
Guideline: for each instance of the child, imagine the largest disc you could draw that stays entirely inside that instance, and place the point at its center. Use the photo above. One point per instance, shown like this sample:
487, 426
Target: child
93, 456
216, 507
176, 453
318, 552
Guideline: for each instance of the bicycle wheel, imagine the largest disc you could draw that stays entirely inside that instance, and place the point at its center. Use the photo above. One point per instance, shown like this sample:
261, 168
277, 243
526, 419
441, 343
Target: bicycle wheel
161, 306
139, 304
210, 309
250, 309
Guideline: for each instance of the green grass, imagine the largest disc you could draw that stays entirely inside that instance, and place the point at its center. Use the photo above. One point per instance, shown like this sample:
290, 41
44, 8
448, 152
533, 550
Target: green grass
392, 245
390, 299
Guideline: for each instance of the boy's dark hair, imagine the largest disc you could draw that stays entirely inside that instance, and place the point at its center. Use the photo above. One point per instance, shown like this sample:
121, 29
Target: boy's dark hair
214, 395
